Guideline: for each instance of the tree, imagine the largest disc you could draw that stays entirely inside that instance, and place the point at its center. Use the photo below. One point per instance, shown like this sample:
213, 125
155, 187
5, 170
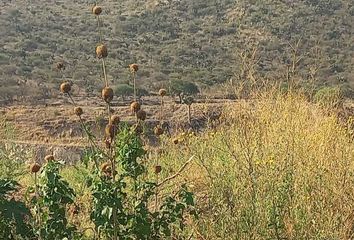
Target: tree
124, 90
180, 88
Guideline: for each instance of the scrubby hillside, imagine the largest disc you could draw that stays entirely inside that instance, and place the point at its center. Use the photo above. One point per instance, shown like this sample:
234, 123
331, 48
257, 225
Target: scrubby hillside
204, 41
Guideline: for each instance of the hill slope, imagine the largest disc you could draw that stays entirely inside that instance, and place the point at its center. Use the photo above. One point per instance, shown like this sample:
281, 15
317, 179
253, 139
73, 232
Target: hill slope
204, 41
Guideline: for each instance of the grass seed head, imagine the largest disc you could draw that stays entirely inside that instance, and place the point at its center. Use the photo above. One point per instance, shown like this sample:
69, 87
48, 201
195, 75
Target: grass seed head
162, 92
158, 131
134, 68
114, 120
101, 51
110, 131
107, 94
97, 10
158, 169
78, 111
141, 115
134, 107
65, 87
49, 158
35, 167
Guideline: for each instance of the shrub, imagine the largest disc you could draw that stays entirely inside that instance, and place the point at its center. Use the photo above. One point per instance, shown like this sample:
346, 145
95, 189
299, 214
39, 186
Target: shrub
180, 87
329, 97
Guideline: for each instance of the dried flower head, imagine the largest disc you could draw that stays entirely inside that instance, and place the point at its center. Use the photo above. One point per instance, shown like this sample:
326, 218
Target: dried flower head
158, 169
134, 107
114, 120
97, 10
78, 111
60, 66
162, 92
107, 94
158, 131
134, 68
49, 158
35, 167
110, 131
65, 87
141, 115
101, 51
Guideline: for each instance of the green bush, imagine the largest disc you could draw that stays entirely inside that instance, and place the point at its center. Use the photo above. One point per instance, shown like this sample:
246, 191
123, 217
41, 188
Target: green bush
329, 97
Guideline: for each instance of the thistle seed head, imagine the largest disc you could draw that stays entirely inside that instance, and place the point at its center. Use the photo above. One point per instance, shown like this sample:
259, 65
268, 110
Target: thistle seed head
141, 115
35, 167
101, 51
162, 92
134, 107
107, 94
65, 87
78, 111
97, 10
114, 120
134, 68
158, 169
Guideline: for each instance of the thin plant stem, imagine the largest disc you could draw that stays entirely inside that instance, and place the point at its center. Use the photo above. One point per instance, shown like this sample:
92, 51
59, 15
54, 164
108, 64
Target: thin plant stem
104, 72
134, 82
99, 28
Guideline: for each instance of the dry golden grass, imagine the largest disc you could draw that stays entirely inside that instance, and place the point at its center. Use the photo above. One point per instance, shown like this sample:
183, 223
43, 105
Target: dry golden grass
278, 168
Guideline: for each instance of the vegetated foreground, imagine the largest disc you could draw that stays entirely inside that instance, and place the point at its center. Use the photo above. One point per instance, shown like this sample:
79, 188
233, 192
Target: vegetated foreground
281, 168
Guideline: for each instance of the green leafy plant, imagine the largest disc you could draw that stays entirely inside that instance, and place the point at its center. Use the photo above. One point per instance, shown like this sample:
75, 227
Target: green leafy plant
123, 196
52, 199
13, 213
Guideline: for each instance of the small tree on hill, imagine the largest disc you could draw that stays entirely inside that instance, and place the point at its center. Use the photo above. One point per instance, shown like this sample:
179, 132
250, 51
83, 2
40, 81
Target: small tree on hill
180, 88
125, 90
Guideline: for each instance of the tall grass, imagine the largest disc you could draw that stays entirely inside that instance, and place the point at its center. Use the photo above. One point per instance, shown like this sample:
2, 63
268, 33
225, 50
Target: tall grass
280, 167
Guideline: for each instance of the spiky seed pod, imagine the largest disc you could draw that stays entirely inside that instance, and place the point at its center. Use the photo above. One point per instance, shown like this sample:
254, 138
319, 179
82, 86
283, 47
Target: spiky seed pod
141, 115
137, 128
162, 92
158, 131
35, 167
134, 68
110, 131
97, 10
158, 169
107, 94
78, 111
135, 107
60, 66
114, 120
65, 87
49, 158
175, 141
105, 166
101, 51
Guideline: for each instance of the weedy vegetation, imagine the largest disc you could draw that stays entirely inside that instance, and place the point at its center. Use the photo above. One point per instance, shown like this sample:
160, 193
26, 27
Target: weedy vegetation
278, 166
